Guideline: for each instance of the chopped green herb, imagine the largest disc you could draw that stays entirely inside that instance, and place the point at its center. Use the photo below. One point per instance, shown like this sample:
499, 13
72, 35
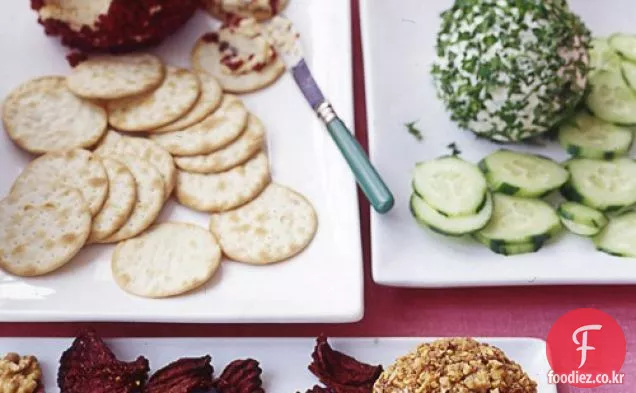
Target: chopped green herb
454, 149
413, 130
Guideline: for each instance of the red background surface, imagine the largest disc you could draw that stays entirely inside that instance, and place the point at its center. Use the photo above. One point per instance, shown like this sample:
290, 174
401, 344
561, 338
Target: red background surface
510, 312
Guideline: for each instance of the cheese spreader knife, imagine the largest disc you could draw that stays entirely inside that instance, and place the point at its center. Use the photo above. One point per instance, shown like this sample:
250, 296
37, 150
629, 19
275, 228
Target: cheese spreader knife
283, 36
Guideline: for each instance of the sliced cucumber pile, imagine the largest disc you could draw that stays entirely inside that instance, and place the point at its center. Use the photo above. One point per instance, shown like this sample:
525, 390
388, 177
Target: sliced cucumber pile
522, 174
618, 236
452, 226
522, 222
451, 186
605, 185
590, 137
580, 219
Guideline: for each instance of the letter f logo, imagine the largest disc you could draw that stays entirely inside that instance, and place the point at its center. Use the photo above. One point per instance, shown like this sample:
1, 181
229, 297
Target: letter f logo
584, 348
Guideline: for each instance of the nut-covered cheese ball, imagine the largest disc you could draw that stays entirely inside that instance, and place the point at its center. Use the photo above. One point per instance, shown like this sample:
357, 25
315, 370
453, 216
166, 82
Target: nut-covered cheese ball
510, 70
455, 365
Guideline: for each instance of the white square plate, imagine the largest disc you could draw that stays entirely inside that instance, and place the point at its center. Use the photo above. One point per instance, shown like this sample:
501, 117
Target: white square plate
284, 361
323, 284
399, 41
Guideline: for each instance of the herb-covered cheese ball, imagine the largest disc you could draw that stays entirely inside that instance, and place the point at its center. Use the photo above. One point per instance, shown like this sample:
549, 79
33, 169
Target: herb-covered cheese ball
509, 70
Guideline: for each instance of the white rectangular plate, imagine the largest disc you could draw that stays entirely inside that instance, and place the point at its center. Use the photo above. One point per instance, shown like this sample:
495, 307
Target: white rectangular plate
399, 44
284, 361
323, 284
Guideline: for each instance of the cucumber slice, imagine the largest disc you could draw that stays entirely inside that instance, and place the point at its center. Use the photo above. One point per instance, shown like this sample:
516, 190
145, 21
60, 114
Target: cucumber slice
624, 44
522, 174
611, 99
603, 185
451, 226
603, 57
514, 249
618, 236
628, 69
451, 186
579, 229
580, 219
582, 214
590, 137
518, 220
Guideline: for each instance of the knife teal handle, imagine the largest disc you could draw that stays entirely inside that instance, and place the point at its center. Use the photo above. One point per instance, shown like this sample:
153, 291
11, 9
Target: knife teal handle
368, 178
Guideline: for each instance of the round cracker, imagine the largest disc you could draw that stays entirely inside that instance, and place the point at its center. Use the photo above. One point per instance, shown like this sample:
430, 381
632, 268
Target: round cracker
150, 198
110, 77
220, 9
226, 190
206, 57
122, 195
110, 139
115, 144
43, 229
215, 132
209, 101
168, 260
77, 168
176, 95
43, 116
274, 227
238, 152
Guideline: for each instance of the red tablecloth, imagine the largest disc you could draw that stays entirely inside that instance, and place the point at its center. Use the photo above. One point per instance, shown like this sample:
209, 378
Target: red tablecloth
527, 312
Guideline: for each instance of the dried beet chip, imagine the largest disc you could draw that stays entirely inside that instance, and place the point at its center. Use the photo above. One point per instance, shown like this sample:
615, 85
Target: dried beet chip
240, 376
182, 376
89, 366
342, 373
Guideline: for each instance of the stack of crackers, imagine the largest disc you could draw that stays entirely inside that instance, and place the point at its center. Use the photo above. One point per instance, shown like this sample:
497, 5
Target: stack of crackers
115, 139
